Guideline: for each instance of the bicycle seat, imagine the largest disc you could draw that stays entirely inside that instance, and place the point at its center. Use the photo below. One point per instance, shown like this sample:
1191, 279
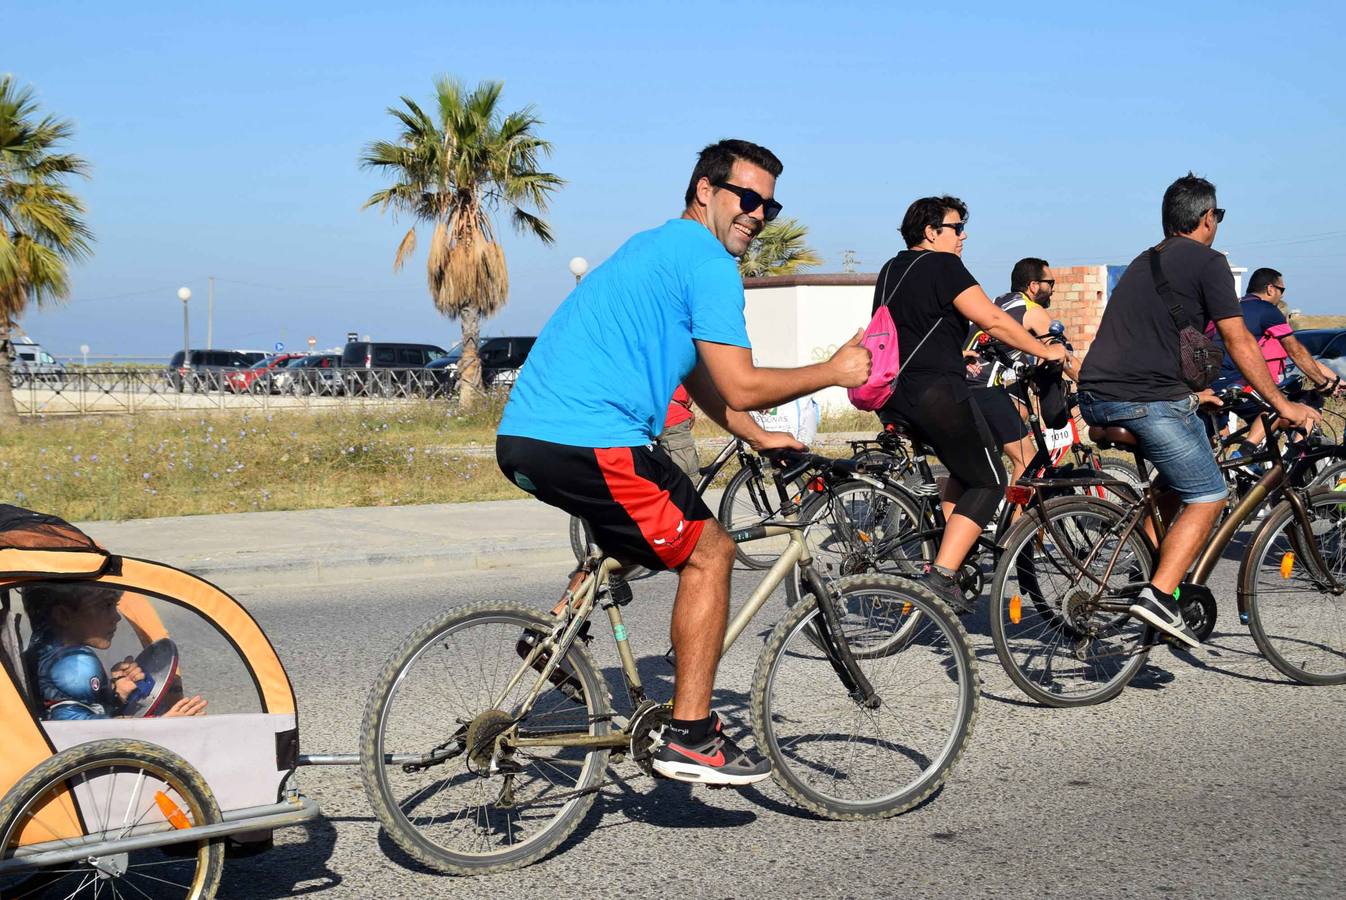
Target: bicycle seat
1108, 436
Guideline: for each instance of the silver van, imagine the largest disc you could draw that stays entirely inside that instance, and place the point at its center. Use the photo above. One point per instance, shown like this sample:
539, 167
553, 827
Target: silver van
29, 362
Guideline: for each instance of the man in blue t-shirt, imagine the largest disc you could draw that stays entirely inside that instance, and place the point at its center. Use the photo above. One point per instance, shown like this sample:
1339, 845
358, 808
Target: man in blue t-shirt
1276, 339
578, 431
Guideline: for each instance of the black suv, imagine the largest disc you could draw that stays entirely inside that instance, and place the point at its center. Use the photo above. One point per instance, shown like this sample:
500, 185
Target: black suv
501, 358
205, 369
374, 368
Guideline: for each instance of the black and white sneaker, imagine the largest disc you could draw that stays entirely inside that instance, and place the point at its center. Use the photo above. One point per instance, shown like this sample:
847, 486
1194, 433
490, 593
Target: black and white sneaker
715, 761
949, 590
1164, 613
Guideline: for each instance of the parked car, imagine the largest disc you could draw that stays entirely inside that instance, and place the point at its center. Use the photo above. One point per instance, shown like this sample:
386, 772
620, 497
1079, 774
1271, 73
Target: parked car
1327, 345
311, 374
379, 368
256, 379
440, 376
501, 358
202, 370
28, 361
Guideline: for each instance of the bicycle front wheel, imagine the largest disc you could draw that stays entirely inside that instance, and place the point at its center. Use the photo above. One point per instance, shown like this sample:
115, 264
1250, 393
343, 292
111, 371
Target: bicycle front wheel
1299, 623
1055, 644
750, 499
859, 527
839, 759
446, 701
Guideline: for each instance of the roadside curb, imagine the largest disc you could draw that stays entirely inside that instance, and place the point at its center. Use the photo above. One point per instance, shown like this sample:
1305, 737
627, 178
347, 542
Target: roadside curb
346, 568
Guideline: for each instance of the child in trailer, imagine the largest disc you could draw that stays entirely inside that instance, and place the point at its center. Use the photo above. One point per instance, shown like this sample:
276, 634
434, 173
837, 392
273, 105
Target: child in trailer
70, 622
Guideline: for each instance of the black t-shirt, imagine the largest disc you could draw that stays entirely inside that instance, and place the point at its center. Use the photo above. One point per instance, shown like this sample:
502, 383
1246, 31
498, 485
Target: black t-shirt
921, 305
1135, 354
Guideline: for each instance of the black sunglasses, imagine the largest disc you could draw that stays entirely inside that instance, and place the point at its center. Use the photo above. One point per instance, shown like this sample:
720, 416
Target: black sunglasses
749, 200
956, 226
1219, 214
1050, 282
1279, 287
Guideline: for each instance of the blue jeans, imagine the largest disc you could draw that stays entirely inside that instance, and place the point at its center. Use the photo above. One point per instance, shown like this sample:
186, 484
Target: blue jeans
1172, 437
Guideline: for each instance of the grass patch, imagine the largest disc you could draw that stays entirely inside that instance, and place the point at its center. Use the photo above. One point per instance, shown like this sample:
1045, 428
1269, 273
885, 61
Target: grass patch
144, 466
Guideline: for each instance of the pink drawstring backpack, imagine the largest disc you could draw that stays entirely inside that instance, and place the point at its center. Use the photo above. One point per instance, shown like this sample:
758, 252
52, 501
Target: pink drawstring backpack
880, 339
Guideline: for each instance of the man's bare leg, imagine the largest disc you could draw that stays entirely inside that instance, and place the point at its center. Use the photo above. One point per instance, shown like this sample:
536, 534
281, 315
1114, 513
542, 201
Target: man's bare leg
1186, 536
700, 615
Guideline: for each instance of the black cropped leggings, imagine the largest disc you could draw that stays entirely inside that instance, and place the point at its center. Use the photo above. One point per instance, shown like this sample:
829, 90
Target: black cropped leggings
939, 412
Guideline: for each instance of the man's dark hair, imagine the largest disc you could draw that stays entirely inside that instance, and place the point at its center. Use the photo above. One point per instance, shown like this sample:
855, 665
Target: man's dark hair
1262, 279
1185, 202
714, 163
928, 211
1025, 270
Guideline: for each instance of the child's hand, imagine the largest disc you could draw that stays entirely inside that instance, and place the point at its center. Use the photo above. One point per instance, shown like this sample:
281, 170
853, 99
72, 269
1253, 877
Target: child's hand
125, 675
190, 706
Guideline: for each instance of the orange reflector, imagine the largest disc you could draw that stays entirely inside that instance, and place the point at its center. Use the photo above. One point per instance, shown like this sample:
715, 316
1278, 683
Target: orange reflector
906, 608
1018, 494
864, 536
172, 812
1016, 609
1287, 563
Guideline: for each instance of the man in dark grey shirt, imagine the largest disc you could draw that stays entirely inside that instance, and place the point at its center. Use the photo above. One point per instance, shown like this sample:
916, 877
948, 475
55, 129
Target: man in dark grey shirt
1132, 378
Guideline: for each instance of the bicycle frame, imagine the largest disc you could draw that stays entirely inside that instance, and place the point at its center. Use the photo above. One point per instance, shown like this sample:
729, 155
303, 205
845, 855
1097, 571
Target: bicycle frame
586, 596
1272, 484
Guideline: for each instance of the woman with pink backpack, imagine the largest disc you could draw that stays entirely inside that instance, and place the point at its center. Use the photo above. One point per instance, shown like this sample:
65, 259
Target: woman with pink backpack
931, 297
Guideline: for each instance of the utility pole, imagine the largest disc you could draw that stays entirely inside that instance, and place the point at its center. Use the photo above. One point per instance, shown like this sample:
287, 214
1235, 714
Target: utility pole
849, 262
210, 315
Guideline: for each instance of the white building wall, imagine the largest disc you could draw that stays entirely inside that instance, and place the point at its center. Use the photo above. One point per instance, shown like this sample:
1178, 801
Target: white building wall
804, 323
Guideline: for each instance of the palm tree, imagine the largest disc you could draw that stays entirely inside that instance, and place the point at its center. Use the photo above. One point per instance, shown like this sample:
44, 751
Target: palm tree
779, 249
41, 229
451, 171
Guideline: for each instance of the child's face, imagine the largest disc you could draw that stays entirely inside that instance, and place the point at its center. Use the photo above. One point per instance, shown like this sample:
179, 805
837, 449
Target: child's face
92, 621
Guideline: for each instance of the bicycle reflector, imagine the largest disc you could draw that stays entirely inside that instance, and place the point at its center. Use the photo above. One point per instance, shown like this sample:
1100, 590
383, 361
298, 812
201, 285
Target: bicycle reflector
1019, 494
817, 485
1016, 609
172, 812
983, 338
1287, 563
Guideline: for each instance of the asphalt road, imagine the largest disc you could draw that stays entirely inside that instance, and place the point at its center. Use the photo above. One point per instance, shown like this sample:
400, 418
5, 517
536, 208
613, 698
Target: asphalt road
1210, 776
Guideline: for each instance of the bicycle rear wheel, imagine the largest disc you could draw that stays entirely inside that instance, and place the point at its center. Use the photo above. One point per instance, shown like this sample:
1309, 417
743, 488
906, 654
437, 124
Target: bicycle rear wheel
1056, 646
846, 762
1298, 622
445, 692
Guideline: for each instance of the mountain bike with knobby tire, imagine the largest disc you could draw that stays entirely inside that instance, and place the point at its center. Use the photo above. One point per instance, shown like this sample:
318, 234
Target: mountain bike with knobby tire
490, 730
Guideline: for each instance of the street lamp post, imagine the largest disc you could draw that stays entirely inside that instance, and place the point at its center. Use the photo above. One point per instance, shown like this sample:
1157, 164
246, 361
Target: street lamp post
185, 294
578, 266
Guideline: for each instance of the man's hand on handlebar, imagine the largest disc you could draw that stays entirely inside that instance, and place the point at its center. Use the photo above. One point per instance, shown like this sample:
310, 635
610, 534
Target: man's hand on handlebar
775, 440
1297, 415
1209, 399
1053, 352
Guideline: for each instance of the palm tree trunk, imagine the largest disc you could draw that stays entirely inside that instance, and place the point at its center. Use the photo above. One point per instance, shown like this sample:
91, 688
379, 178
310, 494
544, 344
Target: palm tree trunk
470, 390
9, 413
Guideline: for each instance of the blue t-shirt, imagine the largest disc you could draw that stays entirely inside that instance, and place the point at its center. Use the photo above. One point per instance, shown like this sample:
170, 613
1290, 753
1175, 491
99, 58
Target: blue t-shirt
606, 364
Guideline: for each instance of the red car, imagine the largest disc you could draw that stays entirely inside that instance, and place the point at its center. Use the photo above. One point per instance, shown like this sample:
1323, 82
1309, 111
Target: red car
257, 377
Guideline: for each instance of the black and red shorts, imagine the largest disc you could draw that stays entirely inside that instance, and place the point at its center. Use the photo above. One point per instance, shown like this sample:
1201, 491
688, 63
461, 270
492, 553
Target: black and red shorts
638, 503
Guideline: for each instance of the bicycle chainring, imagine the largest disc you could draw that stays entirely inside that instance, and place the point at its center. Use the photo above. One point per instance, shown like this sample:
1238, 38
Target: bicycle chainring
646, 722
1198, 609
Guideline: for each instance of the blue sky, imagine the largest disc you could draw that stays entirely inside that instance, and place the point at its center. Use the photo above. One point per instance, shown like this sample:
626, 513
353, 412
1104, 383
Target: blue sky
225, 142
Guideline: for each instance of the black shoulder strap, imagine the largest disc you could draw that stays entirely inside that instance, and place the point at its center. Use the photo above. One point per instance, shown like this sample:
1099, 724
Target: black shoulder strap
1175, 307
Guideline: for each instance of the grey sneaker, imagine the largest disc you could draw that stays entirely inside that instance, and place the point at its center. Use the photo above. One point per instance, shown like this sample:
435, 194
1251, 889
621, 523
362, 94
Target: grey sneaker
716, 761
1163, 613
948, 590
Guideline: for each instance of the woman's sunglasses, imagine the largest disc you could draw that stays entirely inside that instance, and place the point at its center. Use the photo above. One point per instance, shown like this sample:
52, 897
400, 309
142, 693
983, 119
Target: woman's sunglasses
956, 226
749, 200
